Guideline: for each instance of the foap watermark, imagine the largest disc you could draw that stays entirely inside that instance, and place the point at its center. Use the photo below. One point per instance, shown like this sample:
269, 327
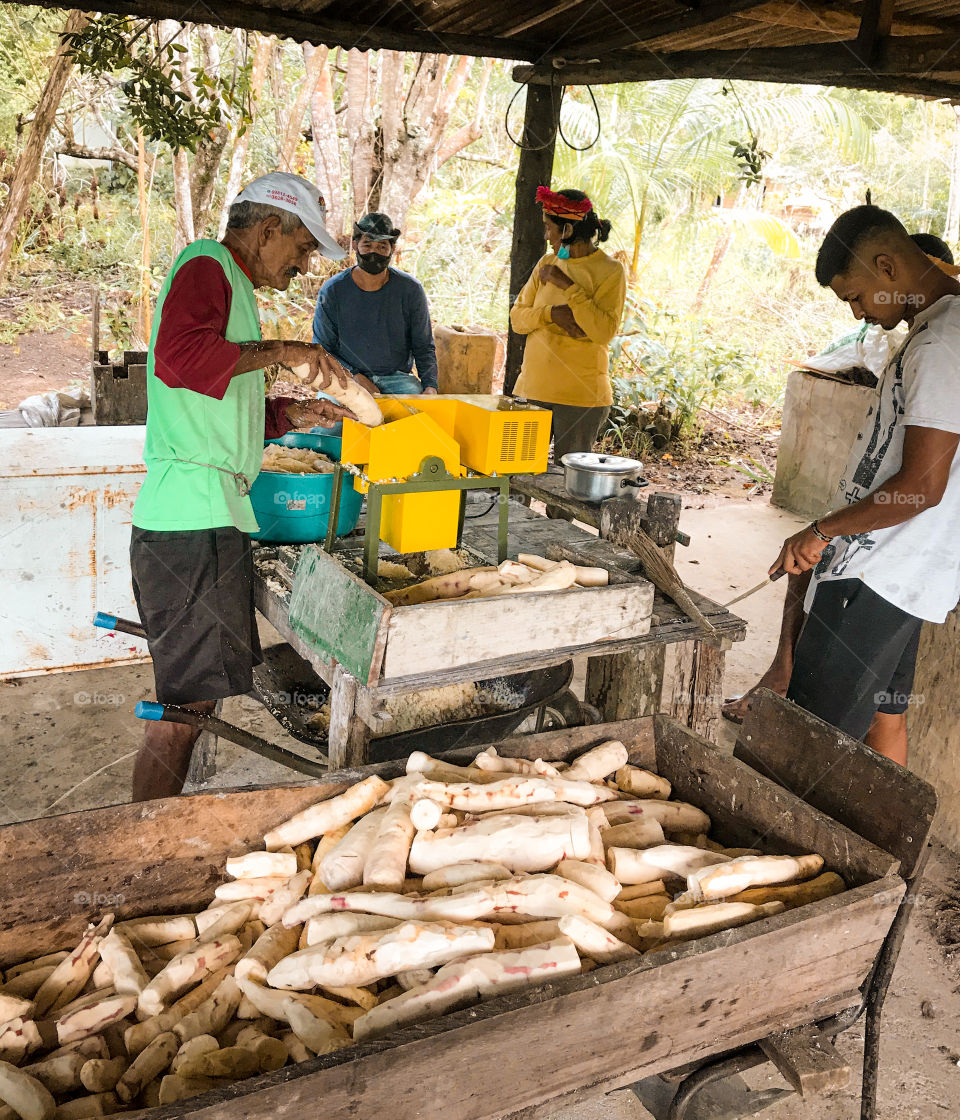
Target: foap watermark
99, 699
98, 898
901, 699
897, 498
900, 299
305, 701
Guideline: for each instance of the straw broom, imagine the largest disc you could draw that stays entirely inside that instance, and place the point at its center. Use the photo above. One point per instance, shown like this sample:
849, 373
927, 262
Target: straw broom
661, 573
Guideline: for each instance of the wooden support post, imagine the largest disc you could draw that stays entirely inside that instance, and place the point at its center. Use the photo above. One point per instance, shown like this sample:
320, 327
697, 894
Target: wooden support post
876, 21
349, 736
536, 166
698, 686
630, 685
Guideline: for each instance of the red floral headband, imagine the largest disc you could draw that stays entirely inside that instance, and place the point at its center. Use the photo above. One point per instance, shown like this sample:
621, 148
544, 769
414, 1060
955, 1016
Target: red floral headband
559, 206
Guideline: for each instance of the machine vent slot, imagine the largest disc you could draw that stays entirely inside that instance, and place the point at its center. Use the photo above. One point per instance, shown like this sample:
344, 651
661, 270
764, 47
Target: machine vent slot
508, 448
528, 448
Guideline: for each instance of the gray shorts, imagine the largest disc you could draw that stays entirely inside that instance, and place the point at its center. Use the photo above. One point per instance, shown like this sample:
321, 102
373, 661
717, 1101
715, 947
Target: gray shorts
194, 592
856, 656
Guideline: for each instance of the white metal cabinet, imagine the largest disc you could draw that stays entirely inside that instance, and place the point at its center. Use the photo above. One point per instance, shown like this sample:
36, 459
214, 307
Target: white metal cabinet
66, 497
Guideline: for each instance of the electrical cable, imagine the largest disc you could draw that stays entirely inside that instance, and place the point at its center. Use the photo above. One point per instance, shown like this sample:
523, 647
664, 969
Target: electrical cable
474, 516
558, 106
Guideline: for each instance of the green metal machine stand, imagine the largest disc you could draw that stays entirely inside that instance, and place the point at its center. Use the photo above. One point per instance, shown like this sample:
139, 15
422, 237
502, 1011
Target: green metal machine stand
431, 476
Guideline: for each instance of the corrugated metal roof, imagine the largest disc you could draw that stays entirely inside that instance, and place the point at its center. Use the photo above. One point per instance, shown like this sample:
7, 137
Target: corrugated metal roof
773, 39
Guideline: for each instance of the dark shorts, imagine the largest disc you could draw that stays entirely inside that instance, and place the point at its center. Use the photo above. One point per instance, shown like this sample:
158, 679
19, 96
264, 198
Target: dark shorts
856, 656
194, 591
574, 428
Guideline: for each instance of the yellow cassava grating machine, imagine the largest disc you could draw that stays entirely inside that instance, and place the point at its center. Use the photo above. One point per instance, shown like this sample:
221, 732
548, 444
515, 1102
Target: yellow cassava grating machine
415, 468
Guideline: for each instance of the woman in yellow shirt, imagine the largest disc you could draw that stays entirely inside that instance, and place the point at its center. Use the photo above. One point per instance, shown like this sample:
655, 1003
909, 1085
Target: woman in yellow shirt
569, 310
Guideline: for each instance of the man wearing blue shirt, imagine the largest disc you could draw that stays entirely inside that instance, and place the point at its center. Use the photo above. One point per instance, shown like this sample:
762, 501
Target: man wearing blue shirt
375, 319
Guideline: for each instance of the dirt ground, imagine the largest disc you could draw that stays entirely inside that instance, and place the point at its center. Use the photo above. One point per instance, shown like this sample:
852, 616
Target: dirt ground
40, 362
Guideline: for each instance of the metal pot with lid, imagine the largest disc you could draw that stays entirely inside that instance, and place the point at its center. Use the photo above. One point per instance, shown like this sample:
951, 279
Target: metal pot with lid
594, 477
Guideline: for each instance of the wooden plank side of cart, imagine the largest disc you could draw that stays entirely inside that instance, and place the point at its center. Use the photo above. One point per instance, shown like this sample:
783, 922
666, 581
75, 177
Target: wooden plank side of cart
599, 1030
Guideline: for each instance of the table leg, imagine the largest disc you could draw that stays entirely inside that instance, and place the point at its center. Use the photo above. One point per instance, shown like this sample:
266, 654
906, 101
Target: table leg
349, 735
626, 685
698, 687
630, 685
371, 533
503, 498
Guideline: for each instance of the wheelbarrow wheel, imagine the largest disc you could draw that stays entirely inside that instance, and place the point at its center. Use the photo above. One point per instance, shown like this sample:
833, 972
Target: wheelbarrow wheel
564, 710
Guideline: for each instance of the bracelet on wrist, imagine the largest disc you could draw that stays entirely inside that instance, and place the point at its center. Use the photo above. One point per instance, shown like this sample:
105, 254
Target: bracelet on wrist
819, 533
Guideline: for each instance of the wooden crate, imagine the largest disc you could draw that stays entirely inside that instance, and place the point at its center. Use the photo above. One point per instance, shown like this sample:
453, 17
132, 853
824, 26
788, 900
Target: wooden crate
553, 1044
119, 392
346, 620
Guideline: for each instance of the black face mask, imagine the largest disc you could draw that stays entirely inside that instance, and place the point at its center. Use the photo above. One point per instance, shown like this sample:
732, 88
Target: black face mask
374, 263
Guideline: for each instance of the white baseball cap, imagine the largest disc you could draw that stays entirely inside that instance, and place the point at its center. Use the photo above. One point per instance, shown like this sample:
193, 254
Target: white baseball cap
300, 197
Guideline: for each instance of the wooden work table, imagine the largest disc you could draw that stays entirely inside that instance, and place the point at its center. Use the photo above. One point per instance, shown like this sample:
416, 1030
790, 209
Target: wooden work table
623, 675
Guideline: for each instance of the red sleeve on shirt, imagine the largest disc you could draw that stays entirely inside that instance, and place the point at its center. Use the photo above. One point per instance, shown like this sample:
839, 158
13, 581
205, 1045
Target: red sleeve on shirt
191, 351
276, 423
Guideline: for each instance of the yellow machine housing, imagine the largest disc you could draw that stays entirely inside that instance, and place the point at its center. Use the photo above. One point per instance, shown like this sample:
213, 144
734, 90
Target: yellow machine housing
393, 452
495, 438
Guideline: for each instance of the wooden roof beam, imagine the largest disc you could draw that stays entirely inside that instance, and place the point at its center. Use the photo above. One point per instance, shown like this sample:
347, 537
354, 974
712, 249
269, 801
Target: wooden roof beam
709, 11
920, 64
827, 18
321, 31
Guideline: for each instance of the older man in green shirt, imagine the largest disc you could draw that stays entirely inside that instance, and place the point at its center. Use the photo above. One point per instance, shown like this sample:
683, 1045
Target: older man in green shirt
190, 552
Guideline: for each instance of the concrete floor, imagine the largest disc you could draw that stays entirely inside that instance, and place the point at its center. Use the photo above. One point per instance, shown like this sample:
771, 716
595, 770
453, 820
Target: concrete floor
71, 738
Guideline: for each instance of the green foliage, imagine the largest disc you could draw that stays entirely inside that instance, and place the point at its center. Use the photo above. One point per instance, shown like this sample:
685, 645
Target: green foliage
664, 370
155, 86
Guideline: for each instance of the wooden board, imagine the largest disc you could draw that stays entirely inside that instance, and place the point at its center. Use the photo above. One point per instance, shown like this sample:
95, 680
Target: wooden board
431, 637
741, 797
840, 776
614, 1026
337, 614
663, 1010
821, 419
807, 1059
932, 724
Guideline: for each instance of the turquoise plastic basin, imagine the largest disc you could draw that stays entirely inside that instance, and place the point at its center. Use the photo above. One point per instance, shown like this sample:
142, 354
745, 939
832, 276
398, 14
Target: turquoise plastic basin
295, 508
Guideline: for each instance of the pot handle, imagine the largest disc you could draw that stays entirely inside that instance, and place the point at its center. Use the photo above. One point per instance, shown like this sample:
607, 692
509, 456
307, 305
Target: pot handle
639, 483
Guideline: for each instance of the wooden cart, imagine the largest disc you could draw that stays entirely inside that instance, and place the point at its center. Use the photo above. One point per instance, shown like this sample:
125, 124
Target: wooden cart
529, 1053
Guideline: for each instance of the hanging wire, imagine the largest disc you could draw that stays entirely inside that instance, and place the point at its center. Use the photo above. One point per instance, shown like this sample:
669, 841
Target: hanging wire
558, 104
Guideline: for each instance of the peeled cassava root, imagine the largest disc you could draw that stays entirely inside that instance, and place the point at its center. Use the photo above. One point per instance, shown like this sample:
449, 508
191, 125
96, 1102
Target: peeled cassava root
351, 396
386, 904
528, 575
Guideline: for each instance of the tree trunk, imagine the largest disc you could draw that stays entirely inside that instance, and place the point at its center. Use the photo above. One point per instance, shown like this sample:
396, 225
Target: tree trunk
238, 158
28, 162
468, 133
326, 150
951, 229
536, 167
315, 59
209, 153
169, 30
145, 310
719, 252
433, 93
360, 131
183, 202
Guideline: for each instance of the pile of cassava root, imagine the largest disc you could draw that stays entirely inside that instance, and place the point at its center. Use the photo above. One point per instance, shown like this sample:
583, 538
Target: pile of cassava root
387, 904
